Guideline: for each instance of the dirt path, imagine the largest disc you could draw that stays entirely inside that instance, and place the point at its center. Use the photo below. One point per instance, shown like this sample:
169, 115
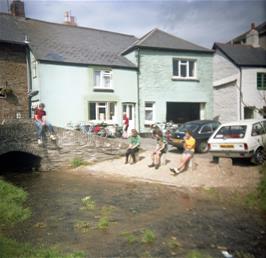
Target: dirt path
202, 174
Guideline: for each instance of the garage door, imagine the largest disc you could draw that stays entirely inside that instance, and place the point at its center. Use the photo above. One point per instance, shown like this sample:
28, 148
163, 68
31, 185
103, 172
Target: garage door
180, 112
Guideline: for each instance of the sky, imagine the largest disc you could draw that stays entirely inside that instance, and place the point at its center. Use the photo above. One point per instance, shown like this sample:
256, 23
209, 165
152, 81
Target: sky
202, 22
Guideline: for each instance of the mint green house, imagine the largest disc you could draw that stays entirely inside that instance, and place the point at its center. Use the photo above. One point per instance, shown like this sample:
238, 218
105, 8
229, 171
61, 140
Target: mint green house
174, 80
88, 75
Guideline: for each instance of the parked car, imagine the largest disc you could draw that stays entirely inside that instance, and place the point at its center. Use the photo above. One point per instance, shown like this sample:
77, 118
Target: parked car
243, 139
201, 131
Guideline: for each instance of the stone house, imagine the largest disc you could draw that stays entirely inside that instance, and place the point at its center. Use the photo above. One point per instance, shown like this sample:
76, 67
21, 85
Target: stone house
239, 74
85, 74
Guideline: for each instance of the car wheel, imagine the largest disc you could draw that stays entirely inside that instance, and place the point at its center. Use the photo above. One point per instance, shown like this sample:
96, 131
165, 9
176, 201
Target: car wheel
202, 147
259, 156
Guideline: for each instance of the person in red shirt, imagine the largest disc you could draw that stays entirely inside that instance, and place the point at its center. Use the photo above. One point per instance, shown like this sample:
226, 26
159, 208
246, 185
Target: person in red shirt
125, 125
41, 122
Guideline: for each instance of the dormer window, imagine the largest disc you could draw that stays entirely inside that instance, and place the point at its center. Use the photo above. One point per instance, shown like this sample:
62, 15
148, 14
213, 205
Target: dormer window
184, 69
103, 79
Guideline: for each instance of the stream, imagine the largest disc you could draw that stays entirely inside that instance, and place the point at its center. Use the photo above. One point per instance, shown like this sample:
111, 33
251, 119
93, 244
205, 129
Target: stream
133, 219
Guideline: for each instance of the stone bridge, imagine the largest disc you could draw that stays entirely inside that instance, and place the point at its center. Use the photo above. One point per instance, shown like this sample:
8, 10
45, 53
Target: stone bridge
20, 137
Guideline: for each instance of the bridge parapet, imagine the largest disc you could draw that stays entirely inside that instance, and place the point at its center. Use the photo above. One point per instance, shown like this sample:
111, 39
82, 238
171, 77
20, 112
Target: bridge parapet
21, 136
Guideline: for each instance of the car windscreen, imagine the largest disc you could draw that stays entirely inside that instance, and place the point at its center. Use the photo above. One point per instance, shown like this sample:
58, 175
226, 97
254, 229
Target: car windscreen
188, 127
232, 131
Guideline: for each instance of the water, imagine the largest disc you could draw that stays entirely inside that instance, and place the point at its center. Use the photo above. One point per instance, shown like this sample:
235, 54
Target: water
181, 219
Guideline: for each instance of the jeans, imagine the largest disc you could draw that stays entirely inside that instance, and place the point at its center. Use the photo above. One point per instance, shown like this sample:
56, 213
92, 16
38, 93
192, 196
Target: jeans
41, 128
132, 152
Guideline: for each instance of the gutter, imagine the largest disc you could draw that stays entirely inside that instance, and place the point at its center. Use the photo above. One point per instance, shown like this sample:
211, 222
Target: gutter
138, 94
240, 95
29, 78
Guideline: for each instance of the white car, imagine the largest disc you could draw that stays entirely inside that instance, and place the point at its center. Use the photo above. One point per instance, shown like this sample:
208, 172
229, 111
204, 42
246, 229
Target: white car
242, 139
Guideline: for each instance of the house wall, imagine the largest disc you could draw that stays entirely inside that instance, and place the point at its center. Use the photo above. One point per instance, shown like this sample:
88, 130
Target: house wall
66, 91
226, 96
13, 70
156, 84
251, 95
225, 105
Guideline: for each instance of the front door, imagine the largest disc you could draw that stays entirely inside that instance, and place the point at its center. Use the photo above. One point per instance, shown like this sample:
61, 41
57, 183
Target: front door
129, 109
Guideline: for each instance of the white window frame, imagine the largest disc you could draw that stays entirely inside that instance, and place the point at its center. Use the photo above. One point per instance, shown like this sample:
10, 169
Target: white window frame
185, 62
34, 64
107, 111
149, 122
103, 74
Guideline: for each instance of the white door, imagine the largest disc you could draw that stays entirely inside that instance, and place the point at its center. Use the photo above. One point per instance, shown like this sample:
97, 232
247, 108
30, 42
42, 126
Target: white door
129, 109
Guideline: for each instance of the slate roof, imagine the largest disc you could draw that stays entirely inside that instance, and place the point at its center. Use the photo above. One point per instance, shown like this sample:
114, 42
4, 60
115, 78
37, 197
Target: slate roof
243, 55
158, 39
260, 28
63, 43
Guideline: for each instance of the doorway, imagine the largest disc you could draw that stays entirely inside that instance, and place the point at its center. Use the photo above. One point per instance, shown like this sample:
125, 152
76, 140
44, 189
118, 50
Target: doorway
181, 112
129, 109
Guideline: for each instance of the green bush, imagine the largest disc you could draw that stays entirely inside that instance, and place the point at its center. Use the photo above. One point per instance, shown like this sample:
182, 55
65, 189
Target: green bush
11, 205
103, 223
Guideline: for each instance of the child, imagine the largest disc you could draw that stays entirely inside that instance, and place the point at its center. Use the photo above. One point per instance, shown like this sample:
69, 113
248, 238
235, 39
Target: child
161, 147
41, 122
125, 125
189, 149
134, 145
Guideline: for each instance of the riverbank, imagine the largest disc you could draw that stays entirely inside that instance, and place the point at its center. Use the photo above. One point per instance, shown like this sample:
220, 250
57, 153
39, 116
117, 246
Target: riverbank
202, 173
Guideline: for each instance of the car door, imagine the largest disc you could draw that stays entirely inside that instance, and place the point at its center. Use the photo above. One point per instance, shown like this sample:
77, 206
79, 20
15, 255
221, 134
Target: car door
205, 132
257, 136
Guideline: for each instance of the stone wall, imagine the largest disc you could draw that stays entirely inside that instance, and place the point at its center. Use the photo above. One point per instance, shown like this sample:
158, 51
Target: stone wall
13, 71
20, 135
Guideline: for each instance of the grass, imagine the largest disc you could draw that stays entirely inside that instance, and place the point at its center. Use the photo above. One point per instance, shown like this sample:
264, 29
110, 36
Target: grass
103, 223
10, 248
148, 236
77, 162
197, 254
172, 243
257, 199
131, 238
82, 226
12, 199
88, 203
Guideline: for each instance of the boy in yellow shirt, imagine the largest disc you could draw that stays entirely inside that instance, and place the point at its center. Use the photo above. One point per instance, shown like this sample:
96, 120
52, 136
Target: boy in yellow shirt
189, 149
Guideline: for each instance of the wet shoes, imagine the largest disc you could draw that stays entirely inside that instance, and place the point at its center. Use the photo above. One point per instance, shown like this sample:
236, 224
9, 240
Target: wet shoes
52, 137
39, 142
151, 165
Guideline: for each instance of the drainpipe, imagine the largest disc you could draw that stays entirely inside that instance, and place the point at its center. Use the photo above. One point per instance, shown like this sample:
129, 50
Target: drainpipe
138, 95
240, 95
29, 78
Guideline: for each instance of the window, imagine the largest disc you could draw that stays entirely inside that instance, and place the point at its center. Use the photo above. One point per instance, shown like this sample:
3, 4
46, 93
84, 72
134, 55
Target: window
206, 129
261, 81
34, 68
103, 79
257, 129
184, 69
101, 111
231, 132
248, 112
149, 112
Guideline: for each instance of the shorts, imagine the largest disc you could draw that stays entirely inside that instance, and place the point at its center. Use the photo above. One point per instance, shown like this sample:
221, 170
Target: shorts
191, 153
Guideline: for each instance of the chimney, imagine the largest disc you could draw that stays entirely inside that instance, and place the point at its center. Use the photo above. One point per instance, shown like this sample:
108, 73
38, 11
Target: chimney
69, 20
252, 37
17, 8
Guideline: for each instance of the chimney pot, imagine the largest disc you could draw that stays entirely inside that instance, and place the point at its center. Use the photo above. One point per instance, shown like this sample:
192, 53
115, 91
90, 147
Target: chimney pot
17, 8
